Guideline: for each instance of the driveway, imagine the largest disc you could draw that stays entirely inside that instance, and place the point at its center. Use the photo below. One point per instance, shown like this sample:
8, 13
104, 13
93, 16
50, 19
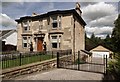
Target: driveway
96, 65
62, 74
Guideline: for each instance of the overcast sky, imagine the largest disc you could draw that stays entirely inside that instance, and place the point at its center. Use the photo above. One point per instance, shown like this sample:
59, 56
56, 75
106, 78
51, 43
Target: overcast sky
99, 16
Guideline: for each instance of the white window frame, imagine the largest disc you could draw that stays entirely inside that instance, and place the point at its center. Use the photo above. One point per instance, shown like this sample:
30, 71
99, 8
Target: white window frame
60, 18
26, 24
55, 20
24, 41
40, 24
28, 41
56, 40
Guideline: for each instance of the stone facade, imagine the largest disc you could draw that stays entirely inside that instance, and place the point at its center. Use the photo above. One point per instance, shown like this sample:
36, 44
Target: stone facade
60, 30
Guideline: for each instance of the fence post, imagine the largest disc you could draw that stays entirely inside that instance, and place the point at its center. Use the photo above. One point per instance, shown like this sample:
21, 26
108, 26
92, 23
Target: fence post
104, 63
78, 60
57, 59
52, 54
20, 59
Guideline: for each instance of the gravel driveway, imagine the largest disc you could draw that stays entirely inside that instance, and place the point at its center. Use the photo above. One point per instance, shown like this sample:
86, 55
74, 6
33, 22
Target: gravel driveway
62, 74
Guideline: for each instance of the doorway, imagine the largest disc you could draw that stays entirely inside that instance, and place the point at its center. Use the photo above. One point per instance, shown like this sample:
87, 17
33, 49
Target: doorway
40, 44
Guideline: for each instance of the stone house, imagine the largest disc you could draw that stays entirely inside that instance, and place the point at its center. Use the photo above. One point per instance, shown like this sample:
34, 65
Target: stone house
60, 29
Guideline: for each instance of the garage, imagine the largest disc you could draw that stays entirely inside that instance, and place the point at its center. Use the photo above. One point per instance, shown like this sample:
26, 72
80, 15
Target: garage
100, 52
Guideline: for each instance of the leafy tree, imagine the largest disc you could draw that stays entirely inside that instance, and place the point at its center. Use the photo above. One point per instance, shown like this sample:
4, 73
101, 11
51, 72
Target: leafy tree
116, 35
107, 42
115, 66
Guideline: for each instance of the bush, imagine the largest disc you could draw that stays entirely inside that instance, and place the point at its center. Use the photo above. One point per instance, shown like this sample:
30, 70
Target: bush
114, 66
79, 62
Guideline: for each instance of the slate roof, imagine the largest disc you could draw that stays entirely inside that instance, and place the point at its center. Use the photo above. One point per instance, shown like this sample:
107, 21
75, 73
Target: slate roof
100, 48
5, 33
52, 13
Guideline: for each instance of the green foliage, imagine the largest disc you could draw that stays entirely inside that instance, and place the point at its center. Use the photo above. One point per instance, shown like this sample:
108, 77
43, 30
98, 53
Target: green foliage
92, 42
116, 35
80, 61
117, 64
114, 66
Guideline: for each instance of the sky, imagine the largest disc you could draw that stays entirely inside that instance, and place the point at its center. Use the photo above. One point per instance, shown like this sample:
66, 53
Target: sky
99, 16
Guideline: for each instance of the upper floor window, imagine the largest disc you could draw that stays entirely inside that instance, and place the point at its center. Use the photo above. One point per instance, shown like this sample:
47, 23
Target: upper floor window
54, 23
59, 21
40, 24
26, 26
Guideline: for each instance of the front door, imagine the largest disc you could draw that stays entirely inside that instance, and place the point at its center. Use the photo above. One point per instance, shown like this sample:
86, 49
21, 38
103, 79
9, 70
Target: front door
40, 44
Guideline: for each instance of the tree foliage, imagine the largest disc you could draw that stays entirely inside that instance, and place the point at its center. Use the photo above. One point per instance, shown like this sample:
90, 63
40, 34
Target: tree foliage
116, 35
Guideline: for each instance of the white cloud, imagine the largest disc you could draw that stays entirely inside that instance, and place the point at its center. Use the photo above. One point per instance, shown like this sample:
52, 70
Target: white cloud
100, 18
103, 21
98, 10
6, 22
99, 31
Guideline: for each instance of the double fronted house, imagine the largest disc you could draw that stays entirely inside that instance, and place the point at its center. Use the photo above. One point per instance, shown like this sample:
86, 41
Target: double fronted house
60, 29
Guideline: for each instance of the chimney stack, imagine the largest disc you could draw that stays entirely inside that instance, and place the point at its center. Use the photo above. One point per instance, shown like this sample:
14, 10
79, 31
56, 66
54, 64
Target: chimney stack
77, 8
34, 14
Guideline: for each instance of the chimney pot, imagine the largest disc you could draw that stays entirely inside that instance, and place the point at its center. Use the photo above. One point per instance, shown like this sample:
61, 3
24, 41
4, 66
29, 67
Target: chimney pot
77, 8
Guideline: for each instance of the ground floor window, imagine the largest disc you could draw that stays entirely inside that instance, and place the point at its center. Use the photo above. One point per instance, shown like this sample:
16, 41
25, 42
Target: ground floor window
56, 41
26, 41
54, 45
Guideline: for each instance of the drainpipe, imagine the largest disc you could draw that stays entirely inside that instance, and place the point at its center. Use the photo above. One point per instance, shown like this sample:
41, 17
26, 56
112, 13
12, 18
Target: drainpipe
74, 39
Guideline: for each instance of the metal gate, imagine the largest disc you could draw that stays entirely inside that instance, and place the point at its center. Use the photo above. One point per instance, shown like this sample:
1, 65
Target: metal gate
82, 61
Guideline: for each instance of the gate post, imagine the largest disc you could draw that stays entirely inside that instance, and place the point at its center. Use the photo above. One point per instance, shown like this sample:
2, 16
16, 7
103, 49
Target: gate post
20, 59
57, 59
78, 60
106, 65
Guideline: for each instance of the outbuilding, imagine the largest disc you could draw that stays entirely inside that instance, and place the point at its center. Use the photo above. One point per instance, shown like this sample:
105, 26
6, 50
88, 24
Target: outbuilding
100, 52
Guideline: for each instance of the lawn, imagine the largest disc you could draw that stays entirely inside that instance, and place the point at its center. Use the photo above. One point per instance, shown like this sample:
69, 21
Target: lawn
24, 60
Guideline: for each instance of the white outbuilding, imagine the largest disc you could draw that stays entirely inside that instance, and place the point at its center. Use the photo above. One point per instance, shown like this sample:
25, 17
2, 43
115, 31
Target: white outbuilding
100, 52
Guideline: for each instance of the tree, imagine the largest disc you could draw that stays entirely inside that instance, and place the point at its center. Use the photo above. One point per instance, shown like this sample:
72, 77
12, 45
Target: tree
107, 42
93, 36
90, 43
116, 35
108, 36
114, 66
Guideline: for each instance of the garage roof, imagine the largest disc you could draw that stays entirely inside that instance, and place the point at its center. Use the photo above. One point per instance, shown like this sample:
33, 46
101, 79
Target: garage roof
100, 48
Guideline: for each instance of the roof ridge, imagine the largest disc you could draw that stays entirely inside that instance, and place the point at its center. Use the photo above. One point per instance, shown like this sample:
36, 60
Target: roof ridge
7, 34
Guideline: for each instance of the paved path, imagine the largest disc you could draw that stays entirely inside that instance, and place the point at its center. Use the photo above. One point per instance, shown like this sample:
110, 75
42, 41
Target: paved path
62, 74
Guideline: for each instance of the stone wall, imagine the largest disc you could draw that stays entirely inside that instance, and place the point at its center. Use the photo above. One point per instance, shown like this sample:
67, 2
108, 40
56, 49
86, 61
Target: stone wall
29, 68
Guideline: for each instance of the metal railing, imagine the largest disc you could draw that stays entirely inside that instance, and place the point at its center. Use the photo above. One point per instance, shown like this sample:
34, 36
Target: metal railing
81, 61
18, 59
